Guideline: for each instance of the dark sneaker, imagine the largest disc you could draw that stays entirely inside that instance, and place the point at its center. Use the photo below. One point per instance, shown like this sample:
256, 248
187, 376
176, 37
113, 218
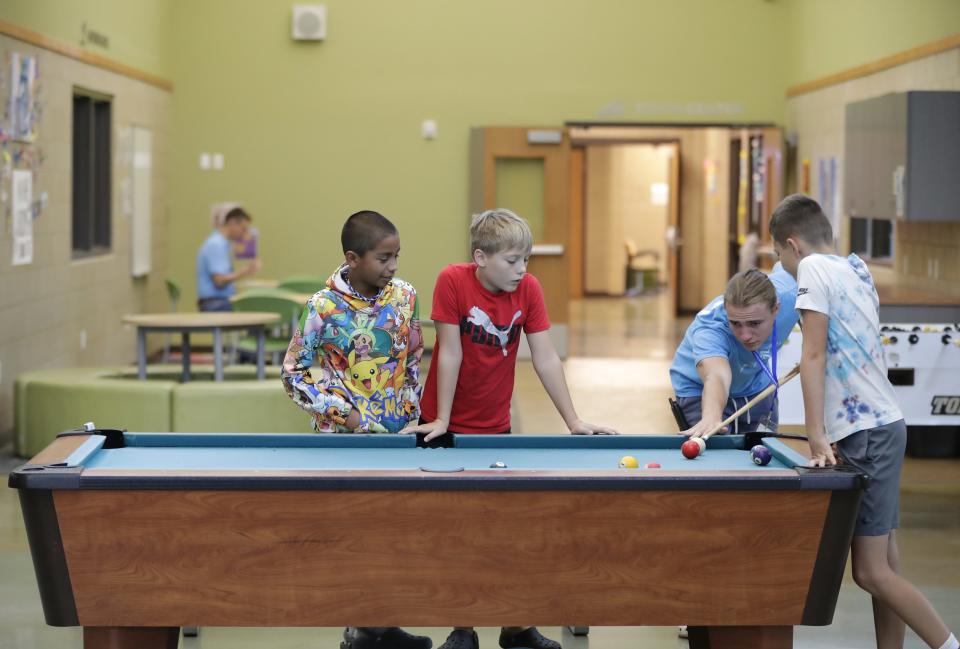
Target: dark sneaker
527, 639
392, 638
461, 639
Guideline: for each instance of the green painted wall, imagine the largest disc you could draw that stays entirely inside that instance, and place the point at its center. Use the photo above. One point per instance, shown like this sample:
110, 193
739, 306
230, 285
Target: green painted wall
834, 35
138, 30
314, 131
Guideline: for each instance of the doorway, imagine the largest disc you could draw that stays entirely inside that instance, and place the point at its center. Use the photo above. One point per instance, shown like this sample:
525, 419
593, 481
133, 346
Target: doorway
629, 205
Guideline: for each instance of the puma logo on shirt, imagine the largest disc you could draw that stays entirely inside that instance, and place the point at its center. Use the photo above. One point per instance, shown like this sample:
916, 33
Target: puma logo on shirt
483, 331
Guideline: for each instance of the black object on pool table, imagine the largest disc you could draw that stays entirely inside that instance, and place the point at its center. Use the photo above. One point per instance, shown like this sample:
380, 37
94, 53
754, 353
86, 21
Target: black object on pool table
444, 441
678, 414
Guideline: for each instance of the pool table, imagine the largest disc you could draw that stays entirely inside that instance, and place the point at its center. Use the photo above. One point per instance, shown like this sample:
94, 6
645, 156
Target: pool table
134, 535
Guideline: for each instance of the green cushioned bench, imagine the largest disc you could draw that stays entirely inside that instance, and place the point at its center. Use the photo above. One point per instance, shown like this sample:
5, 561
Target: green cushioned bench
237, 406
47, 402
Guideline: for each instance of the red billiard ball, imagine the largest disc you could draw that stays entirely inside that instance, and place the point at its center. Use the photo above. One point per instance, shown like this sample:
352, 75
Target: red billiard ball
690, 449
761, 455
652, 465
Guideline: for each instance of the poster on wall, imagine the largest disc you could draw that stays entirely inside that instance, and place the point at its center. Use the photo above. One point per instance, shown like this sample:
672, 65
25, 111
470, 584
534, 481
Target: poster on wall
141, 174
22, 191
22, 108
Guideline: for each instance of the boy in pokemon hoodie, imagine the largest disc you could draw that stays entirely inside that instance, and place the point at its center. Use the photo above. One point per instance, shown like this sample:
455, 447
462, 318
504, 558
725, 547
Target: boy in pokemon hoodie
354, 360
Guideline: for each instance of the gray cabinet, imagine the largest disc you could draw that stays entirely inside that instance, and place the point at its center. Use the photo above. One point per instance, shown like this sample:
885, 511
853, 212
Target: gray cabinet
902, 154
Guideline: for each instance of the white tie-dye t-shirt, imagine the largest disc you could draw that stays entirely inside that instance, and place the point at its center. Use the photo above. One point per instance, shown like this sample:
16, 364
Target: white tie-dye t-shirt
857, 395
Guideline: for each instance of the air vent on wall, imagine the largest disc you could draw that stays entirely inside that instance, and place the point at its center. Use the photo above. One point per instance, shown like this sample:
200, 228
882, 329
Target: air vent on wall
309, 22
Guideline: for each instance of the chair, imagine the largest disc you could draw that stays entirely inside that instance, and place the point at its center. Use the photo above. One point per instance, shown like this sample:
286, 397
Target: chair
276, 341
303, 283
643, 270
173, 292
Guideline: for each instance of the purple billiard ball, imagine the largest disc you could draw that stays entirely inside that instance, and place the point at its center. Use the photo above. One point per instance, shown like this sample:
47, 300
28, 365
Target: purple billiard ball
761, 455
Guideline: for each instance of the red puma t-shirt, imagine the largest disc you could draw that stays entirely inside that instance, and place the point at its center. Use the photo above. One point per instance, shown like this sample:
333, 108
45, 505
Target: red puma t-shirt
490, 326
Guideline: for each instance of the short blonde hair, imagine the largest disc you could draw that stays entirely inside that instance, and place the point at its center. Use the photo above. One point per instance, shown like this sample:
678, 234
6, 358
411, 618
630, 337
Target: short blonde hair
497, 230
748, 288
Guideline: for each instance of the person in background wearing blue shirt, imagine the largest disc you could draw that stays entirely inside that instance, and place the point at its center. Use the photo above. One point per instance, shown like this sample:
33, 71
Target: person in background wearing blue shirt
729, 353
215, 274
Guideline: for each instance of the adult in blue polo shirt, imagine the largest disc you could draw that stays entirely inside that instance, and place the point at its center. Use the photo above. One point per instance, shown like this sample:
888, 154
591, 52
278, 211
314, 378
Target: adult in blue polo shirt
215, 274
728, 354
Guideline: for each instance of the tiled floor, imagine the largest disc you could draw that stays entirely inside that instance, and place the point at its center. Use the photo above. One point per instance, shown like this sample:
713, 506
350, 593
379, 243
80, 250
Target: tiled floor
617, 372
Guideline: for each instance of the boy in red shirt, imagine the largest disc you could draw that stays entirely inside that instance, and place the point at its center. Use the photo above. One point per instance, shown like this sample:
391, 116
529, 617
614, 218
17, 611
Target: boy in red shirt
479, 310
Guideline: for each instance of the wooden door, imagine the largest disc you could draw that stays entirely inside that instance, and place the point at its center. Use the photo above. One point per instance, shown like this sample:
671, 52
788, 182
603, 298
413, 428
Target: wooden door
673, 229
529, 169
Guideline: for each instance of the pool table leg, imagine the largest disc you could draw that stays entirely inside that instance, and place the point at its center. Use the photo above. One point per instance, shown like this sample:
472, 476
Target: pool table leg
740, 637
140, 637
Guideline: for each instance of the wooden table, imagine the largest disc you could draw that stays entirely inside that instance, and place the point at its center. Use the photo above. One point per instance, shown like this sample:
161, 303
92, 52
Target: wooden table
302, 298
258, 283
186, 323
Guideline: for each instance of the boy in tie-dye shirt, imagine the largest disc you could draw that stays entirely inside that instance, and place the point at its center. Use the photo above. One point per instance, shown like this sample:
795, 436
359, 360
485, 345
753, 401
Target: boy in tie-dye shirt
850, 404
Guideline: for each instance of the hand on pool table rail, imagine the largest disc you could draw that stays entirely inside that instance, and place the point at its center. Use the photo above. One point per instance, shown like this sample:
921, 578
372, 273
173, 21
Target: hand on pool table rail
821, 453
580, 427
434, 429
704, 428
353, 420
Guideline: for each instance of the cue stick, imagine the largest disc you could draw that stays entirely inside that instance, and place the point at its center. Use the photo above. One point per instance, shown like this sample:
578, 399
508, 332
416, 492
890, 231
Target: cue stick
754, 401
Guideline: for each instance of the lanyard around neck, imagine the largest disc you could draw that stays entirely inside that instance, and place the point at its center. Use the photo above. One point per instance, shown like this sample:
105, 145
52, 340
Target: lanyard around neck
771, 371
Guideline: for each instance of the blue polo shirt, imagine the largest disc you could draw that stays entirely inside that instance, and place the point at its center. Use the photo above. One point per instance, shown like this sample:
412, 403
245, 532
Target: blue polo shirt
213, 258
709, 335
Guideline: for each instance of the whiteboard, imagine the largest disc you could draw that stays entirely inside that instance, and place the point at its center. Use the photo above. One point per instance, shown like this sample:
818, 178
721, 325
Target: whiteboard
142, 165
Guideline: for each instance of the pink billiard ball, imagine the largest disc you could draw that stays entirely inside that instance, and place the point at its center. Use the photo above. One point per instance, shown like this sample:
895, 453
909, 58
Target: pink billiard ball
690, 449
652, 465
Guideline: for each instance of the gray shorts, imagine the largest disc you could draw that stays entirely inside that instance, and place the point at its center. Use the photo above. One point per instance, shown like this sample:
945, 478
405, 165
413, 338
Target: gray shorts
877, 452
748, 422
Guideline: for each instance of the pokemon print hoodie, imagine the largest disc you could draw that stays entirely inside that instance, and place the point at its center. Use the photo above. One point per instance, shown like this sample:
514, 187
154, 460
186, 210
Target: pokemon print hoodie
355, 353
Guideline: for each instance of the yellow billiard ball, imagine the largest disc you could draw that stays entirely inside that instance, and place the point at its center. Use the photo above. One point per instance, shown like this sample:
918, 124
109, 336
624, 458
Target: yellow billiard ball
629, 462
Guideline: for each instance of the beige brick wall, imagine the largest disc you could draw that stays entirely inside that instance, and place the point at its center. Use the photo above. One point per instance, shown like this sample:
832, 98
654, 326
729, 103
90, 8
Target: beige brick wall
925, 254
45, 305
